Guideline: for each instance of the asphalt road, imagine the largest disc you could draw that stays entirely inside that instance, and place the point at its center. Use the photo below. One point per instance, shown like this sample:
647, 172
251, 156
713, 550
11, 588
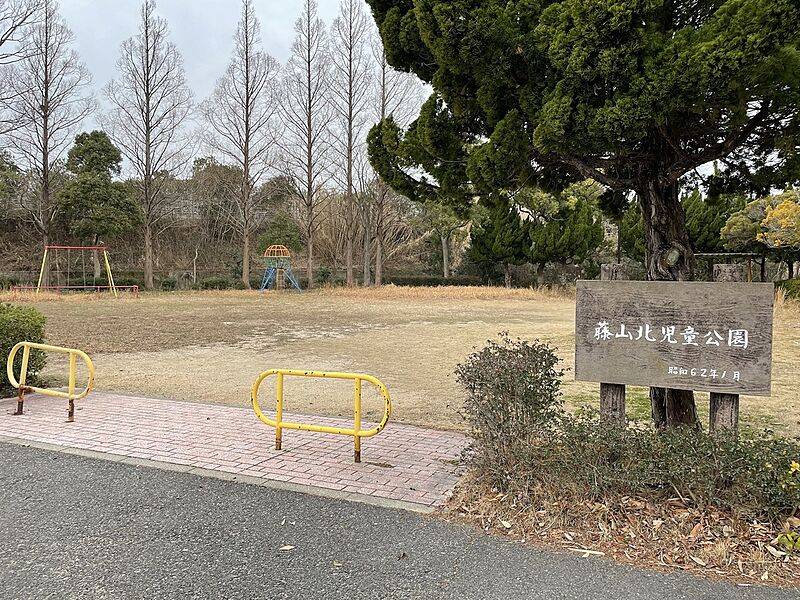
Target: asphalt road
73, 527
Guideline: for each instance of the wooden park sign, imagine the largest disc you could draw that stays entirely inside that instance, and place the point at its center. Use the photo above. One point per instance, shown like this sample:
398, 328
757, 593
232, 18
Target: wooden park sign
714, 337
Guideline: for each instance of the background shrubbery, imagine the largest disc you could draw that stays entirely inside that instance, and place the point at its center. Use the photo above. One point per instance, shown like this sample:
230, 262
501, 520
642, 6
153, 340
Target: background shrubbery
791, 287
20, 324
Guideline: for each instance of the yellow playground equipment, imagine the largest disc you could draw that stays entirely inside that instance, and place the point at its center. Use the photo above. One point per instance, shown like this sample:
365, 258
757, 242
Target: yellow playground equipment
68, 266
279, 424
71, 395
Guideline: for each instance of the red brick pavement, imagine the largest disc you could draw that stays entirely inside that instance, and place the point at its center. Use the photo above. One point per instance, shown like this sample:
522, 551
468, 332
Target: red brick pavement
403, 463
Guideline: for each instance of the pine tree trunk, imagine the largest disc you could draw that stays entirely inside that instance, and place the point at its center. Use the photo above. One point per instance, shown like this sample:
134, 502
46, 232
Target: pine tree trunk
507, 275
445, 256
763, 268
148, 257
540, 275
790, 265
619, 242
668, 258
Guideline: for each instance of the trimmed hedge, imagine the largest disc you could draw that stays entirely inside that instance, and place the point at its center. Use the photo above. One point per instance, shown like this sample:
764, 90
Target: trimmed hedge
214, 283
21, 324
430, 280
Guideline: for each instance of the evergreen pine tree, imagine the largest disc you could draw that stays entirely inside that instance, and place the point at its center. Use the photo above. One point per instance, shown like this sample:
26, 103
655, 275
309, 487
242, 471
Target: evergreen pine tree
705, 218
569, 237
499, 240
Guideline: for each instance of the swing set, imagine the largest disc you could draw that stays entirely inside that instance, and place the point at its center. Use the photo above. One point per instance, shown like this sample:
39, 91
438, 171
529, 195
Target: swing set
87, 282
68, 283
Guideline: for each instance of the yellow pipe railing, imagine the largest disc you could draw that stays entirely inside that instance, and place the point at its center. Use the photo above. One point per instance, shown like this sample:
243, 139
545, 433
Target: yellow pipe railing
70, 394
279, 424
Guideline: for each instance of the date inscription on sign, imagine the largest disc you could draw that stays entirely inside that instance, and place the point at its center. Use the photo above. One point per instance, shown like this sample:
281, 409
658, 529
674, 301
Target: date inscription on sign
714, 337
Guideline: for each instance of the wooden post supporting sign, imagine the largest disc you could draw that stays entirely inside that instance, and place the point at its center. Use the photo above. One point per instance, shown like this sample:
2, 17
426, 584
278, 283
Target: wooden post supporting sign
612, 395
714, 337
723, 413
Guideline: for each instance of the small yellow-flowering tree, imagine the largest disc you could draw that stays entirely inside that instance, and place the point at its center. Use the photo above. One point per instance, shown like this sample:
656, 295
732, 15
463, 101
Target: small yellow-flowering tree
768, 225
780, 229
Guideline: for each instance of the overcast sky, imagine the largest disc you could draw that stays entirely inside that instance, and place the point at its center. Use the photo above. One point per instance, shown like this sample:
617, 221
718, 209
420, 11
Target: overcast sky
202, 29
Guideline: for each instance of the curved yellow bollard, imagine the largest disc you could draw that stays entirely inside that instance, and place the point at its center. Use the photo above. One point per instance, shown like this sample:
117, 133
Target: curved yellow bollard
279, 424
71, 395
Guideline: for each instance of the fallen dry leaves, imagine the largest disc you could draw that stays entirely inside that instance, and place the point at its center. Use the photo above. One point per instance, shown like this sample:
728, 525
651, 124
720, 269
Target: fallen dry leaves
667, 536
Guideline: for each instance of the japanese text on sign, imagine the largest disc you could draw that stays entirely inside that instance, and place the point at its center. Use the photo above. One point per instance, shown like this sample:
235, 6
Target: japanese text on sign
714, 337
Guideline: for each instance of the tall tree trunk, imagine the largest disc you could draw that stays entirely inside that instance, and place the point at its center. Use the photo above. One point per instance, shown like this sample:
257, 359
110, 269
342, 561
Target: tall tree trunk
310, 258
148, 257
507, 275
668, 257
763, 268
619, 242
446, 256
790, 266
46, 265
97, 271
379, 258
380, 206
348, 255
367, 248
540, 275
96, 260
246, 258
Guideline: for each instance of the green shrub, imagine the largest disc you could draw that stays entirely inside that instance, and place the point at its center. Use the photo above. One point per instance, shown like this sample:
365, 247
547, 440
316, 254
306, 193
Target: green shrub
129, 280
7, 282
791, 287
119, 280
214, 283
513, 387
169, 284
20, 324
323, 276
742, 475
525, 444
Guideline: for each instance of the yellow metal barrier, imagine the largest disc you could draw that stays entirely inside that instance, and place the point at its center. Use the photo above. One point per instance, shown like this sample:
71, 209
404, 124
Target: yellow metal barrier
70, 395
279, 424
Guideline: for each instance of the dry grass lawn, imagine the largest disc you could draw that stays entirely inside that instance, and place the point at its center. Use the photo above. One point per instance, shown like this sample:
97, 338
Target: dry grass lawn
210, 346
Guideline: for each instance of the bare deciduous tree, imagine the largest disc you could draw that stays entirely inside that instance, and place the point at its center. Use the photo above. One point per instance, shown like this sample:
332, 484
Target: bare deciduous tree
350, 87
397, 95
150, 103
306, 115
15, 17
240, 118
49, 97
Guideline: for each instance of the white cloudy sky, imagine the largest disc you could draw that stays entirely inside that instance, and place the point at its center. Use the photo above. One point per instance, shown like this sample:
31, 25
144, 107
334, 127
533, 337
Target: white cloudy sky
202, 29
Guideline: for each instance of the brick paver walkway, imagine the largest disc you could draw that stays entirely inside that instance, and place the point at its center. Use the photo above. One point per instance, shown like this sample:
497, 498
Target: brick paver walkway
405, 463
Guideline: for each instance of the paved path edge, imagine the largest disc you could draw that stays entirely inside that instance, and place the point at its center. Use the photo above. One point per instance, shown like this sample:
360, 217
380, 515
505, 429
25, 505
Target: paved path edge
225, 476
